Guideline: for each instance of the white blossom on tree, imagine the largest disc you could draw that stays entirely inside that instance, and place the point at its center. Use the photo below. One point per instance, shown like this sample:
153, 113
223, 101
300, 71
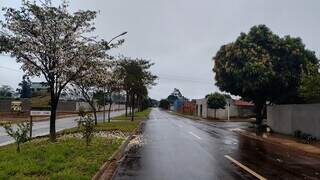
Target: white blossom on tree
54, 43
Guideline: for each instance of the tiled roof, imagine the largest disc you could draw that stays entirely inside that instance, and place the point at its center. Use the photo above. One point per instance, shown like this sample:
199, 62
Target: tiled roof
243, 103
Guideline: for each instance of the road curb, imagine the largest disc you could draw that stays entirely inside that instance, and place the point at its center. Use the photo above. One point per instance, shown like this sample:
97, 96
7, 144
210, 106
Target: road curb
115, 156
108, 169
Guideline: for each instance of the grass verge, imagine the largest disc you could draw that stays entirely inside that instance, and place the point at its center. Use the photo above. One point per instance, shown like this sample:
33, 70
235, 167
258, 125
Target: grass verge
119, 123
68, 158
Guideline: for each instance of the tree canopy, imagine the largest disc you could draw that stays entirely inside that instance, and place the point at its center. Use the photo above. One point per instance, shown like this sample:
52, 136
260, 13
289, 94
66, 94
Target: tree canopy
25, 88
6, 91
260, 66
135, 78
176, 94
310, 84
53, 43
164, 104
216, 100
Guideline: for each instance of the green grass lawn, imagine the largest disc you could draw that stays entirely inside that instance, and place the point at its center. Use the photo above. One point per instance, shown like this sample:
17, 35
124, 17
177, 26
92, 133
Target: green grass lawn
68, 158
137, 116
123, 123
119, 123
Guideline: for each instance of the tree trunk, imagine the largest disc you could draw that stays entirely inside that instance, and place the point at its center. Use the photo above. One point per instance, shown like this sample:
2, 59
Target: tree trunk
93, 108
260, 108
139, 104
110, 104
54, 104
132, 107
18, 147
127, 98
87, 141
104, 105
95, 116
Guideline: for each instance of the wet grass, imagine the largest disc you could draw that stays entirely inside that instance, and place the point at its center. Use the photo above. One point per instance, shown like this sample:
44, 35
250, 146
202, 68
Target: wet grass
138, 116
123, 123
119, 123
66, 159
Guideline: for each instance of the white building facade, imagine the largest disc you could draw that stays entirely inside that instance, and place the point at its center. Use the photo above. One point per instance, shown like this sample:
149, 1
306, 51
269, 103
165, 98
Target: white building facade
234, 108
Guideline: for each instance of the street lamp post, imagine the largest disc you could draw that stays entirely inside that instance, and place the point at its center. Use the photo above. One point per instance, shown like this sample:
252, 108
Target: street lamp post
124, 33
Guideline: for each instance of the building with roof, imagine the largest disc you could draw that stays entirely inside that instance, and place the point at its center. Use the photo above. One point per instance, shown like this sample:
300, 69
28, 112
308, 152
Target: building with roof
234, 108
39, 87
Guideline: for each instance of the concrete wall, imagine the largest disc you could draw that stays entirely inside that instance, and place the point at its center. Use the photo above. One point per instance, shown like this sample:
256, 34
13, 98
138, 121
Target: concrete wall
288, 118
223, 113
63, 106
220, 113
67, 106
201, 103
87, 107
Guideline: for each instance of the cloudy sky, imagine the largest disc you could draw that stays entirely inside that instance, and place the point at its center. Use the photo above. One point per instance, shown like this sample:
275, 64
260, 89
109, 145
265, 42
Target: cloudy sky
182, 36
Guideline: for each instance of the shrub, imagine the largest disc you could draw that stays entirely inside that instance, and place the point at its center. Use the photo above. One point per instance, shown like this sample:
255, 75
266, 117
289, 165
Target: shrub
86, 126
20, 135
307, 138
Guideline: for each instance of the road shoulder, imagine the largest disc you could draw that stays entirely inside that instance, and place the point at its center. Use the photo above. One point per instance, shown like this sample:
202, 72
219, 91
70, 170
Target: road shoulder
109, 168
286, 142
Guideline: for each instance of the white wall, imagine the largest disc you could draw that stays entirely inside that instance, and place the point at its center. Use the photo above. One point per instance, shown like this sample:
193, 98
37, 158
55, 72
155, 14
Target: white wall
288, 118
202, 102
220, 113
223, 113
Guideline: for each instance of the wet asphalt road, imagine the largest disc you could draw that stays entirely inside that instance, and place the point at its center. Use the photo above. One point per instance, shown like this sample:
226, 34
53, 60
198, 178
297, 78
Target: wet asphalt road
42, 128
180, 148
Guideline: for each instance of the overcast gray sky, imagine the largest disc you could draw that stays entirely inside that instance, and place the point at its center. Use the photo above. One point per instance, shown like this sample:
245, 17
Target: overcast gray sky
182, 36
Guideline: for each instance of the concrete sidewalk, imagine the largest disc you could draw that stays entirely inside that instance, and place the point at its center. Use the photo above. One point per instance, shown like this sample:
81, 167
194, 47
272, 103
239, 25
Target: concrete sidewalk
284, 140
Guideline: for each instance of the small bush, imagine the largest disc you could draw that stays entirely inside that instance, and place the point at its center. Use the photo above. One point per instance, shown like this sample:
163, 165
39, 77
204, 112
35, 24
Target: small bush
307, 138
86, 126
20, 135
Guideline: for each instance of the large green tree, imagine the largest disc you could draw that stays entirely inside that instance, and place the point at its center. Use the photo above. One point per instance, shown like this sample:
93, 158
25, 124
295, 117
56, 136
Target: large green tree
25, 87
6, 91
136, 78
216, 101
310, 84
262, 67
164, 104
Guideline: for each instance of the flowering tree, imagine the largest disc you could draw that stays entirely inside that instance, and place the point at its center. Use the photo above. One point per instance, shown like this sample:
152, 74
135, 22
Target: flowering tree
52, 42
111, 84
88, 85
